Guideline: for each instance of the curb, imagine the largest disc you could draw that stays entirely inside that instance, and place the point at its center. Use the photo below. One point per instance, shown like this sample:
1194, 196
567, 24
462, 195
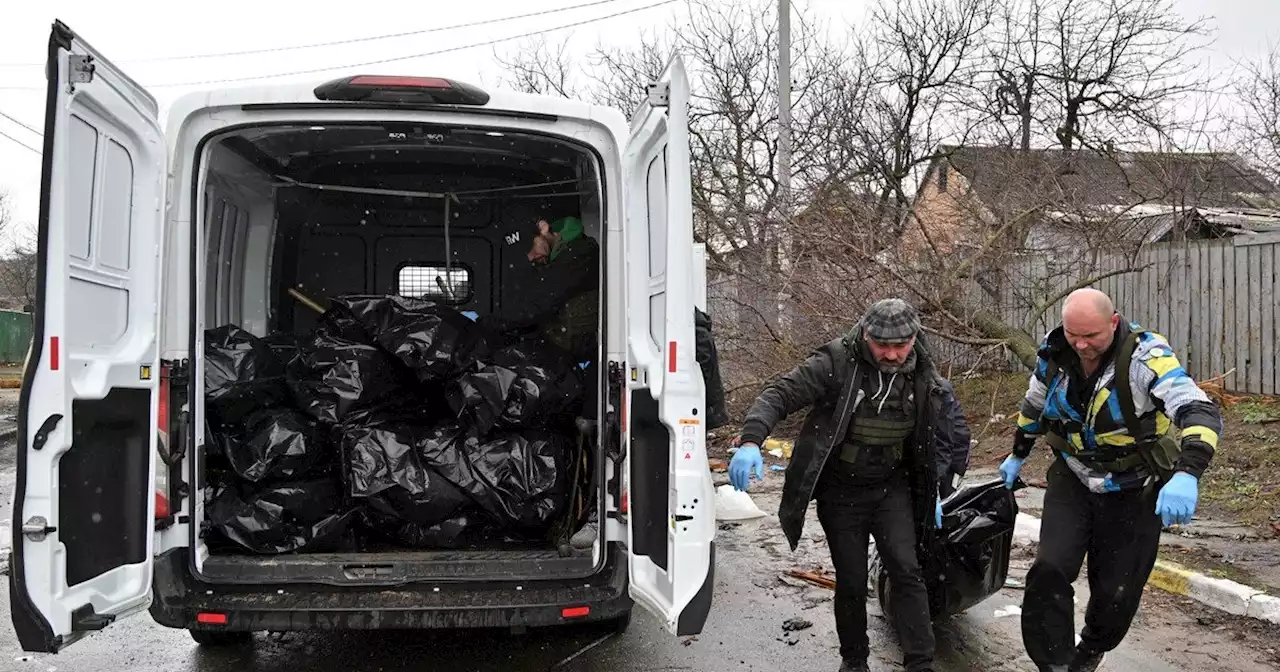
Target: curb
1221, 594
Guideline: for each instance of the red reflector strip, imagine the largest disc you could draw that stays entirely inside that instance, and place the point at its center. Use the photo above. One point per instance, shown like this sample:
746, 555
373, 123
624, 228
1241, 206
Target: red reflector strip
671, 357
211, 619
53, 353
575, 612
392, 80
162, 506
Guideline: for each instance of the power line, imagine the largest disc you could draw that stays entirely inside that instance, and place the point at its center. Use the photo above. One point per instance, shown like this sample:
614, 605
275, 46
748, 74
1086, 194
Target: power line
2, 114
413, 56
19, 142
354, 40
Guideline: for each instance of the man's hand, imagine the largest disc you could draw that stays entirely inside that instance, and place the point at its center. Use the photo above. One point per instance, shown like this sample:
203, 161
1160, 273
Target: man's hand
937, 513
744, 461
1009, 469
1177, 500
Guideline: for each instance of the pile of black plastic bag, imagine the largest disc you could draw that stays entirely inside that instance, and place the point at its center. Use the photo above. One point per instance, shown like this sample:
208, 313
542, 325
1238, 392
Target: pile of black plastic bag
396, 420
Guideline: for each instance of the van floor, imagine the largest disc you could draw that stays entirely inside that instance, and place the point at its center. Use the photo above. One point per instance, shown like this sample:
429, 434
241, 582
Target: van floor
397, 565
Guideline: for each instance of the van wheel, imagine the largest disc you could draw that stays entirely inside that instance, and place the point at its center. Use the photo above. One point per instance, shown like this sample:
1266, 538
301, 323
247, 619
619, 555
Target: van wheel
878, 578
219, 639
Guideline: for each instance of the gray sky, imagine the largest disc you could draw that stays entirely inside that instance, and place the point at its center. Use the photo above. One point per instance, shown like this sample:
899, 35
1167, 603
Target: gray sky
129, 32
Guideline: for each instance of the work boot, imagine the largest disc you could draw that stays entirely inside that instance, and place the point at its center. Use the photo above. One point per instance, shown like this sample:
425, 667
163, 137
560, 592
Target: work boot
850, 666
1085, 661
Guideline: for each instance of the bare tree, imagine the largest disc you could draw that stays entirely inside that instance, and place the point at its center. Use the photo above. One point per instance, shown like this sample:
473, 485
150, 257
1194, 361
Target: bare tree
1257, 128
17, 269
1091, 72
920, 55
538, 67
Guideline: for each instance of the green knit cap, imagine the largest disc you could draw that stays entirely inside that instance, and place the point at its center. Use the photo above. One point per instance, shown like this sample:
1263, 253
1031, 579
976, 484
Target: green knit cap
570, 229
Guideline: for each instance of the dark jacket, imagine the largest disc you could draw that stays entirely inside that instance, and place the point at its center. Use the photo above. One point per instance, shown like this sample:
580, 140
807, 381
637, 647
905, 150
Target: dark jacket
709, 361
826, 381
551, 286
953, 439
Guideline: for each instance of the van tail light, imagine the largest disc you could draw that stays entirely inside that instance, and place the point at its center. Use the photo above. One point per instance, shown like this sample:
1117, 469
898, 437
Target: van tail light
625, 507
162, 448
401, 89
575, 612
210, 618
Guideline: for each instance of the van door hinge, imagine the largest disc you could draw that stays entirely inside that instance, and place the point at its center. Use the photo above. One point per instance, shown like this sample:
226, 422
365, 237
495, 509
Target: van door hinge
659, 94
37, 528
179, 371
82, 68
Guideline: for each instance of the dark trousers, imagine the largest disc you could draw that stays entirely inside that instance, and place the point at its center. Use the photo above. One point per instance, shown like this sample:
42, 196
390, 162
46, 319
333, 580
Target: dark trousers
1120, 532
884, 512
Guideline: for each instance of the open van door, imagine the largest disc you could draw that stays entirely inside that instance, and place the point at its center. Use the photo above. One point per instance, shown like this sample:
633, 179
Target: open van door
84, 507
671, 527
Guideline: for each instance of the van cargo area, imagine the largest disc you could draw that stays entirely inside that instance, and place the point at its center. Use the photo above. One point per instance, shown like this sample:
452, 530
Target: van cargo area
399, 327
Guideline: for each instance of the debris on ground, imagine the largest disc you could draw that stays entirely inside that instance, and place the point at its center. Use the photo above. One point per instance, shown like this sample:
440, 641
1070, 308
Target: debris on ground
1011, 610
796, 625
717, 465
818, 578
733, 504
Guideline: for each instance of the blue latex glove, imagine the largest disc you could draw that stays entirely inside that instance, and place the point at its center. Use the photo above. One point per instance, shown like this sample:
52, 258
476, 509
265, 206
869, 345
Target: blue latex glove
744, 461
1177, 500
1009, 469
937, 513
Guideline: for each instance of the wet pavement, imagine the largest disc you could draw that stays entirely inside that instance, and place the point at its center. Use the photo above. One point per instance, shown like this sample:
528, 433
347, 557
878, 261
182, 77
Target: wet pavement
744, 633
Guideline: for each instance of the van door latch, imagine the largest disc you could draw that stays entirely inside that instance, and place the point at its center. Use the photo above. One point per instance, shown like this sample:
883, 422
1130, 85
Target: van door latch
82, 68
659, 94
37, 528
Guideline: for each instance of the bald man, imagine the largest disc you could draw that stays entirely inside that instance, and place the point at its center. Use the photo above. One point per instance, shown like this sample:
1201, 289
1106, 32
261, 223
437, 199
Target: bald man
1104, 395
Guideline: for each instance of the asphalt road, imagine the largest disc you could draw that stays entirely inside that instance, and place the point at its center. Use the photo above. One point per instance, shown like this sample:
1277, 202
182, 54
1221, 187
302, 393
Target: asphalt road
744, 633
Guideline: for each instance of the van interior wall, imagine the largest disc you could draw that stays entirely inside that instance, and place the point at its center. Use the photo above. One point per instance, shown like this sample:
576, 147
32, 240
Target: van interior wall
263, 238
239, 220
333, 244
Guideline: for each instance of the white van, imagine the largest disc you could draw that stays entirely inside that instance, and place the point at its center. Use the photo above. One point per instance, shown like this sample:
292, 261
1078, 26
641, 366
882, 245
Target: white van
147, 238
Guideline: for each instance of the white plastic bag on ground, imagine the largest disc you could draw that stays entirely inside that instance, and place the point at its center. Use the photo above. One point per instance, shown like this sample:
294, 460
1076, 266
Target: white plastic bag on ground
734, 504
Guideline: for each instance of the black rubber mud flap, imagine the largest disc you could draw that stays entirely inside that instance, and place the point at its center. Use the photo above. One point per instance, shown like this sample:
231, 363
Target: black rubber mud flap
694, 616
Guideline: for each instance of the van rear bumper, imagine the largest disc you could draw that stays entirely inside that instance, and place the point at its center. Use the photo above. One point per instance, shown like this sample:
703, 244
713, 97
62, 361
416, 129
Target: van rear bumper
178, 598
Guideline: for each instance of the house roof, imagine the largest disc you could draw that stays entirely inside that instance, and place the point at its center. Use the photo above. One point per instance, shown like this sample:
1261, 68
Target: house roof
1011, 179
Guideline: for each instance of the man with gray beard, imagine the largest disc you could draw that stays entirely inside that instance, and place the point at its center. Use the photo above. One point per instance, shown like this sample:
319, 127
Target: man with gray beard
874, 452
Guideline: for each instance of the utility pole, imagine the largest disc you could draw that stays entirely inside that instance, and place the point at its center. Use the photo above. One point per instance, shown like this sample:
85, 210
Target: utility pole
784, 103
783, 209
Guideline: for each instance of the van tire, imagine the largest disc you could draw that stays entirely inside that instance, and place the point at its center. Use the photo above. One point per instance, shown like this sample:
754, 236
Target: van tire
220, 639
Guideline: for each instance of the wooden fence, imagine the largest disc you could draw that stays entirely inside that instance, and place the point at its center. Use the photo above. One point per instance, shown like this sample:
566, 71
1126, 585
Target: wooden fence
15, 336
1216, 301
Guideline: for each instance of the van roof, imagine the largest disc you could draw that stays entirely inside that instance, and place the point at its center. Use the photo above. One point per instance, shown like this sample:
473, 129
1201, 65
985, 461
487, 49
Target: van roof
304, 92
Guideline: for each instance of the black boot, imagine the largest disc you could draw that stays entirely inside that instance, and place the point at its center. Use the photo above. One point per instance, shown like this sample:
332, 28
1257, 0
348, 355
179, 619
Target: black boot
850, 666
1086, 661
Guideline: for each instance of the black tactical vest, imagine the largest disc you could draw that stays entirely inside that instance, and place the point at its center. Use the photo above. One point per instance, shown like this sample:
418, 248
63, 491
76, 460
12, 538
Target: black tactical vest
879, 429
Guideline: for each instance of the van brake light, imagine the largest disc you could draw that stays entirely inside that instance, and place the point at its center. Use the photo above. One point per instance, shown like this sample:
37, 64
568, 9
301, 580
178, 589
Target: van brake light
401, 89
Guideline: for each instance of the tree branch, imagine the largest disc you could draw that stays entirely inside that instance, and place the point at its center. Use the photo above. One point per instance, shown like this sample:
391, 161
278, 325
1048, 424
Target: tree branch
964, 339
1040, 308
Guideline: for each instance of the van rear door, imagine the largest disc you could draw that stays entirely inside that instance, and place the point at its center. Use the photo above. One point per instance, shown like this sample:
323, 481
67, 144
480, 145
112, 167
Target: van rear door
672, 502
84, 508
